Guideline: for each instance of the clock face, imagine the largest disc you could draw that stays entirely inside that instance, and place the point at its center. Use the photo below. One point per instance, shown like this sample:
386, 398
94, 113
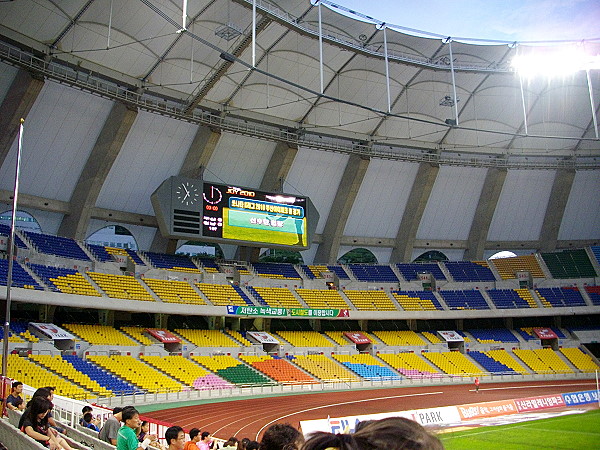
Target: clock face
213, 195
187, 193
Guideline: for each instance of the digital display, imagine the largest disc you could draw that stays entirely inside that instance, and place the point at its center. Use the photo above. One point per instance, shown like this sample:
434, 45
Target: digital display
242, 214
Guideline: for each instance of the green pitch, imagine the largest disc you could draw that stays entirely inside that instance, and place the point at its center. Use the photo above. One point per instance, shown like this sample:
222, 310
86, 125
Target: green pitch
575, 431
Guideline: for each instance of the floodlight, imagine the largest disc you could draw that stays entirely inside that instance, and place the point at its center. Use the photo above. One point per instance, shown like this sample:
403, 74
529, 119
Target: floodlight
556, 63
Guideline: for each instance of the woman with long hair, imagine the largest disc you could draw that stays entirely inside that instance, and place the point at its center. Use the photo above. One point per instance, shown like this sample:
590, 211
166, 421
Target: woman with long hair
35, 425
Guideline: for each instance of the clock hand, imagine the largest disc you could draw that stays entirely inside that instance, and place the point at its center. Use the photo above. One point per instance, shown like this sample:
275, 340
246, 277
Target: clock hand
187, 192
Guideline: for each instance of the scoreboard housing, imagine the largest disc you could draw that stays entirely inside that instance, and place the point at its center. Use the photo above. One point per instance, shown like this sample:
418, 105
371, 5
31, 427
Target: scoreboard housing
188, 208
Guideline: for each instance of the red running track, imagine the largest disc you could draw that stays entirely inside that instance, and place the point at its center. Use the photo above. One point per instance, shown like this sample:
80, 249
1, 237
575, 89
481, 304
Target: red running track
249, 417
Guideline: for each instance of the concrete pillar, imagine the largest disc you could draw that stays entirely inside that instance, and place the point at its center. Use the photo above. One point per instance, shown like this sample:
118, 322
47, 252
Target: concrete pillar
96, 169
19, 99
106, 317
459, 324
488, 200
278, 167
340, 210
412, 324
46, 313
262, 324
315, 324
415, 207
563, 182
363, 325
161, 320
508, 323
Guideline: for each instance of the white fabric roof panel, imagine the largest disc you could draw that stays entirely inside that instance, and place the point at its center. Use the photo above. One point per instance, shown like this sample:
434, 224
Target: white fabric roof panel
239, 160
581, 219
452, 203
381, 200
522, 205
59, 134
316, 174
153, 150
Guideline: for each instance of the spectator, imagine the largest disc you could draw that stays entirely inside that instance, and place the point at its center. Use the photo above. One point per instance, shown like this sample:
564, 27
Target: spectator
231, 444
36, 426
126, 436
243, 443
85, 409
175, 438
110, 429
88, 421
144, 428
281, 436
192, 444
252, 445
205, 441
392, 433
48, 394
15, 396
51, 420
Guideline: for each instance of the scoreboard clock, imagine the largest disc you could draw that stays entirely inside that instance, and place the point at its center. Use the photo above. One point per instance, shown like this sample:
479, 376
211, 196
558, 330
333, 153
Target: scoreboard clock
195, 209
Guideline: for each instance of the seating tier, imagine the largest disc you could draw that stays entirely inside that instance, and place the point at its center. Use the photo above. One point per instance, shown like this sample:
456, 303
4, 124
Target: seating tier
224, 294
324, 368
454, 363
207, 338
174, 291
305, 339
278, 369
56, 245
232, 370
373, 273
569, 264
464, 300
417, 300
465, 271
579, 359
121, 286
322, 298
410, 271
370, 300
410, 365
400, 338
508, 267
367, 367
101, 376
275, 297
512, 298
99, 334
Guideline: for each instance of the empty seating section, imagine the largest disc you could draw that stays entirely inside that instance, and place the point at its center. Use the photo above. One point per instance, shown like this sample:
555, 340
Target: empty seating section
65, 369
410, 365
178, 263
417, 300
373, 273
490, 364
528, 333
366, 366
275, 296
55, 245
454, 363
371, 300
580, 359
569, 264
305, 339
542, 360
32, 374
464, 299
276, 270
340, 272
323, 368
224, 294
138, 373
99, 334
432, 337
120, 286
493, 336
5, 231
410, 271
470, 271
20, 277
176, 366
594, 294
312, 271
322, 298
101, 376
512, 298
99, 252
67, 281
596, 252
232, 370
239, 337
278, 369
508, 267
134, 257
209, 265
560, 297
402, 338
207, 338
12, 336
137, 333
174, 291
507, 359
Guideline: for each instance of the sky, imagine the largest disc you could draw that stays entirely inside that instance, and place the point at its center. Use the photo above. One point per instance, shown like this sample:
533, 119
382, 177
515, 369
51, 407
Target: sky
508, 20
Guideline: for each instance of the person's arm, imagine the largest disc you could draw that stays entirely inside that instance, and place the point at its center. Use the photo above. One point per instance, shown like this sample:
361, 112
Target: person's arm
29, 431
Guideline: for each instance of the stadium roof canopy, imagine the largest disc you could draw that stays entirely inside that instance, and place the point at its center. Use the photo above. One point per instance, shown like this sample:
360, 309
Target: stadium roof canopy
404, 143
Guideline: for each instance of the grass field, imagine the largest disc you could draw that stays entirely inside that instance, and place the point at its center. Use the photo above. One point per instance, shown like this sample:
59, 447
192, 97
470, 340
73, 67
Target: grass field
575, 431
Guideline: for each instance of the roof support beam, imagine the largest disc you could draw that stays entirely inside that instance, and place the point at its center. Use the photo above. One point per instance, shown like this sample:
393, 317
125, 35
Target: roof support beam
19, 99
415, 207
355, 171
563, 182
96, 169
490, 194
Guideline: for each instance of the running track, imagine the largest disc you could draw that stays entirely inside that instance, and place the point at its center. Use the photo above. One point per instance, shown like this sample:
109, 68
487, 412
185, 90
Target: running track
248, 417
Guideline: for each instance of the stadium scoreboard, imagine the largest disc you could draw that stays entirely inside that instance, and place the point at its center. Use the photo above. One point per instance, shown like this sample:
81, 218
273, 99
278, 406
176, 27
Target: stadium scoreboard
188, 208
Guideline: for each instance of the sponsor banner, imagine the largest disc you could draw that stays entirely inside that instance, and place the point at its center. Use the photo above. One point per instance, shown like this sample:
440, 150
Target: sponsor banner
542, 402
488, 409
319, 312
255, 311
545, 333
357, 338
451, 336
52, 331
431, 416
163, 336
580, 398
262, 337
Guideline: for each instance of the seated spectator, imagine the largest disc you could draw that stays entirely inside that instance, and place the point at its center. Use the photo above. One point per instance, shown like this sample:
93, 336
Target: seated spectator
126, 436
88, 421
205, 441
85, 409
392, 433
36, 425
15, 397
281, 436
231, 444
108, 432
243, 443
48, 394
144, 428
252, 445
192, 444
175, 438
